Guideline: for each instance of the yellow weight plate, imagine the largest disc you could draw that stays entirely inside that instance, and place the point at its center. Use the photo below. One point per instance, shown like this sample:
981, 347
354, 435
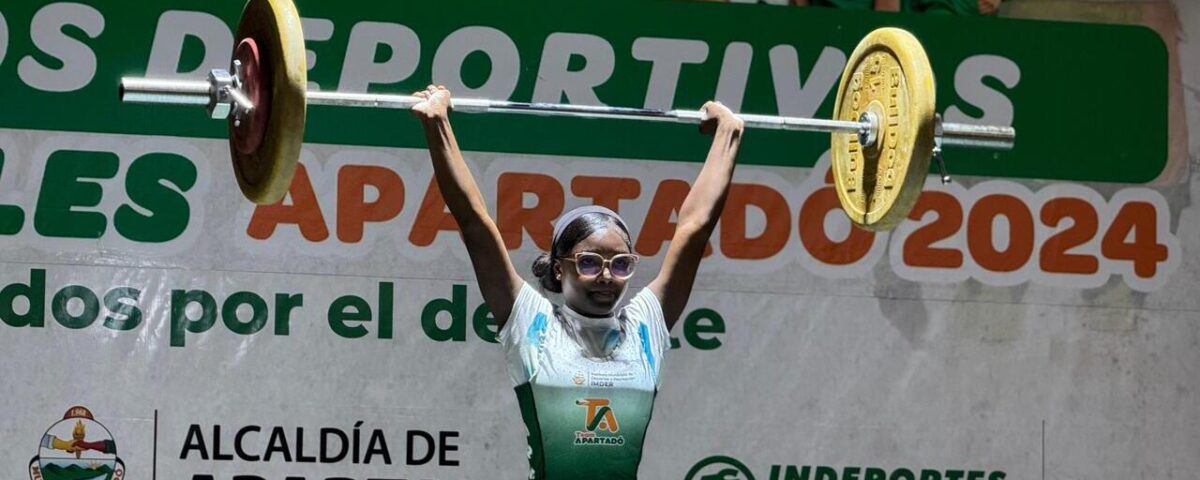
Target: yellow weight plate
889, 75
265, 153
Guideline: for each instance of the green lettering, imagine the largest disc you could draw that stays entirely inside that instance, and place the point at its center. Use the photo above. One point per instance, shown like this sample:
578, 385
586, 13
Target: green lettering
485, 324
35, 296
456, 306
284, 304
180, 323
874, 474
825, 473
386, 290
11, 216
703, 321
169, 210
349, 308
902, 474
851, 473
258, 313
62, 191
91, 307
130, 310
791, 474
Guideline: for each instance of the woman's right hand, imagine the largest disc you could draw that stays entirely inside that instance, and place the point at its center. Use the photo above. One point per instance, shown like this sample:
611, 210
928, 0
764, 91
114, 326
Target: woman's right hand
435, 105
717, 116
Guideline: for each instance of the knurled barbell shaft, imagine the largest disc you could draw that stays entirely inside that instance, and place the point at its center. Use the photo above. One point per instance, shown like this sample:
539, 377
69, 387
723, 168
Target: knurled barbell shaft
197, 92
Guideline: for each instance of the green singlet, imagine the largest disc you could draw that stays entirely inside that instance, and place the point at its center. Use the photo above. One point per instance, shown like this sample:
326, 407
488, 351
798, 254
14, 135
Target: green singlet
585, 418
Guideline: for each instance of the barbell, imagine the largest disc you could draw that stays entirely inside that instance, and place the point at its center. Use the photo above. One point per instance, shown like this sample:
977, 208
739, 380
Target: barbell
884, 132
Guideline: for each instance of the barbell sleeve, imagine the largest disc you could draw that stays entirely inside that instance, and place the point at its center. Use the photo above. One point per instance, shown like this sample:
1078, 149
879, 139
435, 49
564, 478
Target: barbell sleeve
164, 91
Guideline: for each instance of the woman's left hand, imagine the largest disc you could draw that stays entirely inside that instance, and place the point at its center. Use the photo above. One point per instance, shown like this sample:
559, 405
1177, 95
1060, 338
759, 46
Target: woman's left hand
718, 116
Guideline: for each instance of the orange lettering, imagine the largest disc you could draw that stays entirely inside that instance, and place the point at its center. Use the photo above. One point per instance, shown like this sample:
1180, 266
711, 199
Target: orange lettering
433, 217
816, 240
1020, 233
512, 218
606, 191
353, 212
1084, 225
734, 242
1133, 236
918, 249
658, 227
304, 212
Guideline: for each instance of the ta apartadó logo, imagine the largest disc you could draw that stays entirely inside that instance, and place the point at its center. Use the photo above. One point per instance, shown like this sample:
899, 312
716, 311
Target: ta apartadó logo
719, 467
599, 418
77, 447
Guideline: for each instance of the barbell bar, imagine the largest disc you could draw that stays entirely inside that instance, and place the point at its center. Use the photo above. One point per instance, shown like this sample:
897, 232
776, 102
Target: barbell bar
203, 93
884, 132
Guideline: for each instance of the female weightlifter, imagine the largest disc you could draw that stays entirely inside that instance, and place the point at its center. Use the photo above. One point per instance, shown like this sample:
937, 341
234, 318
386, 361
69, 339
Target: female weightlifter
586, 371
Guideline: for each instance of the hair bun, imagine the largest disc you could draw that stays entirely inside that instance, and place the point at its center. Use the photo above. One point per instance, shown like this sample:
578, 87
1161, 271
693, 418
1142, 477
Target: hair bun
543, 269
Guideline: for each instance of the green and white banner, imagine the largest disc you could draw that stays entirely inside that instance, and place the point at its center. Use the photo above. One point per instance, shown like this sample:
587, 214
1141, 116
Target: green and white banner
1035, 318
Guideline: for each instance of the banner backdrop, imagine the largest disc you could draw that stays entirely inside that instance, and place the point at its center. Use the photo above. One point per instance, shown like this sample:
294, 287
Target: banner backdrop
1030, 323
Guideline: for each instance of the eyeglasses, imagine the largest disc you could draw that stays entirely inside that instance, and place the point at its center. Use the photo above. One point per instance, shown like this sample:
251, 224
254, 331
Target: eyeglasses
590, 264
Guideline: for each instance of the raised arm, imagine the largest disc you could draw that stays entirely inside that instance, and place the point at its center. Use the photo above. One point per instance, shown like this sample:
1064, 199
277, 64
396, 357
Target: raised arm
699, 214
498, 280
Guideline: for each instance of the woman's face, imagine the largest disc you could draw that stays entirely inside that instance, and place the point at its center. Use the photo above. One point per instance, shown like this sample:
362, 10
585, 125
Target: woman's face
598, 294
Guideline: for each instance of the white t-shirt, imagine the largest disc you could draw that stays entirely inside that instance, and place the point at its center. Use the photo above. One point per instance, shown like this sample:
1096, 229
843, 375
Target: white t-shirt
586, 418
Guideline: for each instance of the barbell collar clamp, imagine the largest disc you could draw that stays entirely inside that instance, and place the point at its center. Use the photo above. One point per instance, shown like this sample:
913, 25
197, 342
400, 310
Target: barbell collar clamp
938, 133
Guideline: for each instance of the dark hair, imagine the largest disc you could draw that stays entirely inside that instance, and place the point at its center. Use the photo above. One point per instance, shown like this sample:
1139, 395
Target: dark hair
575, 232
